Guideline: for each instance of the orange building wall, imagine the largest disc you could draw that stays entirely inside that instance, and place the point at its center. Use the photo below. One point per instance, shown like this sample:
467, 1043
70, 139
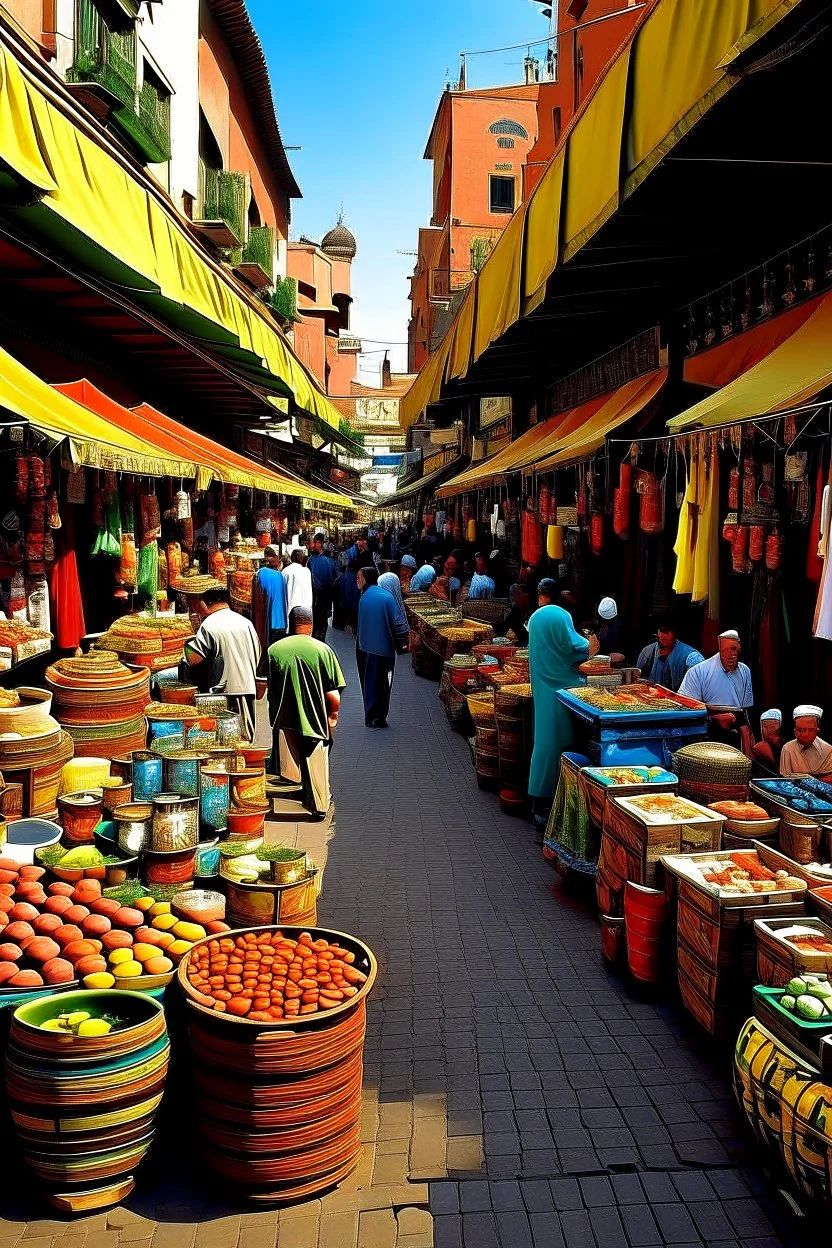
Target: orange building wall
342, 367
309, 345
223, 100
475, 154
30, 15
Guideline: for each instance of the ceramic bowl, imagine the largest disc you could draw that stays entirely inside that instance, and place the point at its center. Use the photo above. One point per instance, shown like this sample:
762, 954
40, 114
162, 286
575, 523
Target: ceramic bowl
247, 822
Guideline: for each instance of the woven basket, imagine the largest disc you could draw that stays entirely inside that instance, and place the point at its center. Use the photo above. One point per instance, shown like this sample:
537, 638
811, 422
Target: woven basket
481, 707
489, 610
610, 680
712, 762
456, 707
512, 700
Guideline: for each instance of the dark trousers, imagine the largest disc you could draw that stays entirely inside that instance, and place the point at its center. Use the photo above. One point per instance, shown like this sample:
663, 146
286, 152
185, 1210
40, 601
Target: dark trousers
375, 674
321, 609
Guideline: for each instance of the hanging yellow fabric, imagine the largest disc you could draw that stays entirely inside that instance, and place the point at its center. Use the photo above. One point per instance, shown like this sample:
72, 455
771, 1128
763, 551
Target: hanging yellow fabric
498, 286
688, 40
460, 357
697, 538
594, 159
427, 387
543, 228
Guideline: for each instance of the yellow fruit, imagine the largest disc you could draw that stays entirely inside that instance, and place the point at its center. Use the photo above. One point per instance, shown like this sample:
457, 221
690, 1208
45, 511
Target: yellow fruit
99, 979
166, 939
128, 970
144, 904
142, 952
53, 1024
189, 931
94, 1027
79, 1016
120, 955
178, 949
159, 907
164, 922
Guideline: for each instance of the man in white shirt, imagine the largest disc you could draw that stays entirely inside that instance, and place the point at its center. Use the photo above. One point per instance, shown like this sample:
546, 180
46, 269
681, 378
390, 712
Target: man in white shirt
298, 580
224, 654
723, 683
808, 754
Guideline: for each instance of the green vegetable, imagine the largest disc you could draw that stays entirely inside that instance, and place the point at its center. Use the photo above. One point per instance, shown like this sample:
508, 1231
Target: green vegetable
822, 991
81, 858
810, 1008
797, 986
279, 853
787, 1002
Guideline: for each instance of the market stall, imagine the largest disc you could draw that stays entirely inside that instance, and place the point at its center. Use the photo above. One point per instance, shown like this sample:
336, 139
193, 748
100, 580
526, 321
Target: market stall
633, 724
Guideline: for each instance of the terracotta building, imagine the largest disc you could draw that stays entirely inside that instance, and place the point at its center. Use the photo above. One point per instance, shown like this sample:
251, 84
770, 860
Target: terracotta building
489, 148
321, 331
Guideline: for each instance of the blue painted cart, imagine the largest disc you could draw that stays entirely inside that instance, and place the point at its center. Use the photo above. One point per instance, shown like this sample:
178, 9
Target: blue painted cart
630, 737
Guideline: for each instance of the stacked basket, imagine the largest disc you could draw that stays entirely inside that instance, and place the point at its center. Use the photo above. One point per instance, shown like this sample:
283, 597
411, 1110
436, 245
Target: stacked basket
84, 1107
710, 771
486, 751
513, 709
100, 703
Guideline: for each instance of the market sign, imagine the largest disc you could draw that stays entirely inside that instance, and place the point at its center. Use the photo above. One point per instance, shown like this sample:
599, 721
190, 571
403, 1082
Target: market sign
493, 410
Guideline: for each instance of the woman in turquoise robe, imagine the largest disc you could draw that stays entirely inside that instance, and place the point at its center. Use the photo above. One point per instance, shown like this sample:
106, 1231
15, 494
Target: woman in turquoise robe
554, 651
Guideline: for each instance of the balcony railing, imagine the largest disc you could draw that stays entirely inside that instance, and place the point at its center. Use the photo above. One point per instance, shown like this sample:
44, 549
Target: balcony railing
254, 263
150, 127
103, 55
284, 300
222, 205
444, 283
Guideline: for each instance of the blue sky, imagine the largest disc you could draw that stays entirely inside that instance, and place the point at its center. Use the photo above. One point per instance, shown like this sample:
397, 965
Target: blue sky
357, 84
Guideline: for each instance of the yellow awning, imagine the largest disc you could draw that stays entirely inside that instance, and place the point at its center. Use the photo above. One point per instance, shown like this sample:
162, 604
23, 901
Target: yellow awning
578, 441
87, 187
593, 159
460, 356
89, 439
694, 45
794, 372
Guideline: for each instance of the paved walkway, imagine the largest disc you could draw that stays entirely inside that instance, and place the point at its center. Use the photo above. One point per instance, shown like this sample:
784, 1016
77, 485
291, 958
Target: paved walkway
516, 1094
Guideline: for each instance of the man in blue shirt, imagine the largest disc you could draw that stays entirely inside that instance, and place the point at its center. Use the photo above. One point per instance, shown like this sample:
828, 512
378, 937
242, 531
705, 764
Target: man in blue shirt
323, 586
666, 660
269, 607
481, 585
421, 581
382, 634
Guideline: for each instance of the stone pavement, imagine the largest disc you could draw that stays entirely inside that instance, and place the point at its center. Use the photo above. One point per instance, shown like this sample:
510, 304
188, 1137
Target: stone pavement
516, 1094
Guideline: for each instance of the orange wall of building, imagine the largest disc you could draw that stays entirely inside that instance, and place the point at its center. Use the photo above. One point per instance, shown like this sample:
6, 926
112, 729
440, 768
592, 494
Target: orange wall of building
309, 345
223, 99
475, 154
29, 14
342, 368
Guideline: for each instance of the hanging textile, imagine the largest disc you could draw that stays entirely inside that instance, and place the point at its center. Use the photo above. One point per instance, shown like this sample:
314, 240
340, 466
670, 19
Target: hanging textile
814, 561
823, 611
67, 607
696, 547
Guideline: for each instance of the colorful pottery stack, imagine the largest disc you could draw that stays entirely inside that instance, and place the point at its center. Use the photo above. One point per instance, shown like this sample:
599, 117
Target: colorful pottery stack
31, 768
155, 642
279, 1105
80, 814
84, 1107
100, 703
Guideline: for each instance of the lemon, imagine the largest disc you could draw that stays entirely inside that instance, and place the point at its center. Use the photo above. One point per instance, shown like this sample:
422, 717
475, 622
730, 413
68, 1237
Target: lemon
178, 949
141, 953
159, 907
80, 1016
144, 904
53, 1024
128, 970
99, 979
94, 1027
189, 931
121, 955
164, 922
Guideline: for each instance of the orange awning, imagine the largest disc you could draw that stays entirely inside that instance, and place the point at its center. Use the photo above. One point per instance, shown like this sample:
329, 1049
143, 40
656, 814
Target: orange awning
213, 461
719, 365
571, 435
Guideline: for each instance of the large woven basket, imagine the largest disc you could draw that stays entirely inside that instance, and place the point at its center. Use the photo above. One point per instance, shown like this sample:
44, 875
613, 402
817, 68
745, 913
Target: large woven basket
712, 762
481, 707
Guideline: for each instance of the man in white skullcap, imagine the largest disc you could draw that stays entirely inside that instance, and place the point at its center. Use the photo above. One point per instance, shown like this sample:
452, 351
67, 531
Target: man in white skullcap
609, 629
808, 754
724, 685
767, 751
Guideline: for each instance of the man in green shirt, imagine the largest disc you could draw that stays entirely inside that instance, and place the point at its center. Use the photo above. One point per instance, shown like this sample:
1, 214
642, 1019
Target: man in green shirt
305, 683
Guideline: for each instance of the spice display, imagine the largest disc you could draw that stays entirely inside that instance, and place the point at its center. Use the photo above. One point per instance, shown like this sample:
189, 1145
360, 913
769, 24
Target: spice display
743, 874
270, 976
624, 700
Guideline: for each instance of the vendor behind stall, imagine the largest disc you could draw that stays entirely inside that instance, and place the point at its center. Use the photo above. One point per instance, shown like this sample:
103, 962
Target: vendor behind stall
555, 650
609, 628
666, 660
769, 748
808, 754
724, 685
481, 585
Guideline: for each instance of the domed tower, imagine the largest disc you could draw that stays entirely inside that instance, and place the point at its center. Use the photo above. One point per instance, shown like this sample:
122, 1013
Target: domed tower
339, 242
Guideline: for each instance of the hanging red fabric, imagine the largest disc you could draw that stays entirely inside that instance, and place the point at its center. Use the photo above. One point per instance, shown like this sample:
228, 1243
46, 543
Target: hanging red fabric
67, 605
596, 532
531, 538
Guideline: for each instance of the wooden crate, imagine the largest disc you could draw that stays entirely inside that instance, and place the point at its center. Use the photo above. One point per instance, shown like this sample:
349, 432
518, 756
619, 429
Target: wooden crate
778, 961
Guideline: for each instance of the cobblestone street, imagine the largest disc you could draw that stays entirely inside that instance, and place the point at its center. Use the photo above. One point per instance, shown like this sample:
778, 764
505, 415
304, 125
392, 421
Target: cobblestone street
515, 1093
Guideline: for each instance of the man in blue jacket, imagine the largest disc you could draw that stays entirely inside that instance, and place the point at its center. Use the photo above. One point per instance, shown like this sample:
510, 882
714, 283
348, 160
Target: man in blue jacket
382, 634
323, 586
